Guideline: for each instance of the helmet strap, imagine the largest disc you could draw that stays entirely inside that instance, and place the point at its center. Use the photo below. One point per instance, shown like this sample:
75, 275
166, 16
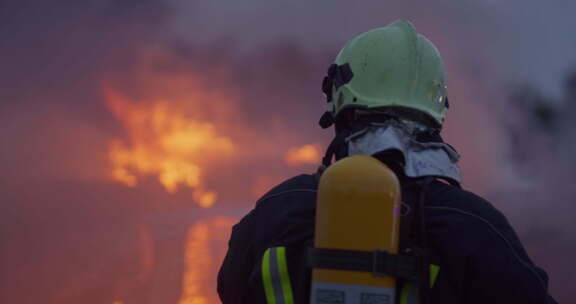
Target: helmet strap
335, 149
327, 120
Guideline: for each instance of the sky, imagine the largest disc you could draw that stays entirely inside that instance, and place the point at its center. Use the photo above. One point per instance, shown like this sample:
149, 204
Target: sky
105, 196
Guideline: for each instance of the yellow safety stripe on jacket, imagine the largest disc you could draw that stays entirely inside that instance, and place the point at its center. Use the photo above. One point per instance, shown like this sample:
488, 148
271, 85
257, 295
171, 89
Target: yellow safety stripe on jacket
275, 277
409, 294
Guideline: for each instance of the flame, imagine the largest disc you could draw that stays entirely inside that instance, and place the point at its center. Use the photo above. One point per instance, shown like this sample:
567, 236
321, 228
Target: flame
304, 155
201, 261
163, 142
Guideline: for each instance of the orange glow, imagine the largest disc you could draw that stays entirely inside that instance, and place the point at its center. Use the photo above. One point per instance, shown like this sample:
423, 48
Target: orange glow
263, 184
201, 261
304, 155
162, 141
146, 249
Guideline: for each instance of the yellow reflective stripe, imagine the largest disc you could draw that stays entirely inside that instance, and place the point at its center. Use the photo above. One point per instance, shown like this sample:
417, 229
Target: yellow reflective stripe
405, 293
275, 277
266, 278
409, 293
434, 269
284, 275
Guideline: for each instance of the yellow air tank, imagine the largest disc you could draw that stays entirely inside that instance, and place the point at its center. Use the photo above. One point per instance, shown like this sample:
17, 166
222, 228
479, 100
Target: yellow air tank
358, 208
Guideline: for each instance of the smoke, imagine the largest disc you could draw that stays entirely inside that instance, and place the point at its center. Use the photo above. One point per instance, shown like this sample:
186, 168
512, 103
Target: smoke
66, 235
72, 234
541, 200
53, 56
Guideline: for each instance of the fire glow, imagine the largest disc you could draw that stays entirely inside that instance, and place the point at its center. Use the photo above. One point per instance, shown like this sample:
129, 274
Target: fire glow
164, 143
304, 155
202, 259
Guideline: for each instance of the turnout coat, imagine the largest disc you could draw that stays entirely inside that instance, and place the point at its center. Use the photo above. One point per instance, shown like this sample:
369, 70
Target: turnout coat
480, 257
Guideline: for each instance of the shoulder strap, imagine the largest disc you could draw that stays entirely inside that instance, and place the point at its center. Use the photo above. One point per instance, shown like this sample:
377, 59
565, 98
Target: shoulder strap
412, 229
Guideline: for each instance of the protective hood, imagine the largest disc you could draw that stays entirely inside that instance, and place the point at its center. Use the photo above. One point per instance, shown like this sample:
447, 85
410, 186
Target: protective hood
421, 158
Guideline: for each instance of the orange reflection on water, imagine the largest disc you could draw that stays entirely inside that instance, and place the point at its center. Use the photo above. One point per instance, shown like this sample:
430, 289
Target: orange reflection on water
205, 245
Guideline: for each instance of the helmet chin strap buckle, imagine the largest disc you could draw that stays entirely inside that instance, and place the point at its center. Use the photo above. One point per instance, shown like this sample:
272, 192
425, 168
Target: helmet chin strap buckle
338, 75
342, 75
327, 120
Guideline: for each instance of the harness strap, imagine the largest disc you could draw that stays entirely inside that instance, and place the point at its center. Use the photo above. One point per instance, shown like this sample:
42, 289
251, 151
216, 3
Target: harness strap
424, 288
378, 262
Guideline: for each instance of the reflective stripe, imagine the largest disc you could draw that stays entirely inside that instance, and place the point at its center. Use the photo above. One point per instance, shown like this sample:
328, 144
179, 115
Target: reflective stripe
269, 290
434, 269
409, 293
406, 295
275, 277
284, 276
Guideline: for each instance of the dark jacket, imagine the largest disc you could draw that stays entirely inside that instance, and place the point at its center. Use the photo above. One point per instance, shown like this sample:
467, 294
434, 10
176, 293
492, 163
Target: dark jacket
480, 257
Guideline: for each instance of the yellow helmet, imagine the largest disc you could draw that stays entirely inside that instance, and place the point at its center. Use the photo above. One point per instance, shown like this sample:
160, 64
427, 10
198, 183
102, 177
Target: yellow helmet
391, 67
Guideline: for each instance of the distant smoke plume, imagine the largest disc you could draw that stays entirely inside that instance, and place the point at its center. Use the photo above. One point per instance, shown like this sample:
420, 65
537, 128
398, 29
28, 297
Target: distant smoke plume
541, 198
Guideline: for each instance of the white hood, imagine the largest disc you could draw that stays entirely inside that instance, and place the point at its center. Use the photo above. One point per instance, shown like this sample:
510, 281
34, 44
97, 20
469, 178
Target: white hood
422, 158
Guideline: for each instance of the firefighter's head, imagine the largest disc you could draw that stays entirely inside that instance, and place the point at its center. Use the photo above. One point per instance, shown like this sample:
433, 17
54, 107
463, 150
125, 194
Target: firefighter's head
389, 69
390, 72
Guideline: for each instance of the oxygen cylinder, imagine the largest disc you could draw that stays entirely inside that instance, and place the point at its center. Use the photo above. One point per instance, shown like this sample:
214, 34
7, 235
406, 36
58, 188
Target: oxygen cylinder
358, 208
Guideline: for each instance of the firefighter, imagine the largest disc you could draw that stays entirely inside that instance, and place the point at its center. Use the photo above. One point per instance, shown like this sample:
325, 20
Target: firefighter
387, 98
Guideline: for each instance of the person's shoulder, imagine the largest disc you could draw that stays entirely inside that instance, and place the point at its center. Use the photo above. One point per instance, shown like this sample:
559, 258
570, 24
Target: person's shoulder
300, 183
303, 183
455, 200
289, 204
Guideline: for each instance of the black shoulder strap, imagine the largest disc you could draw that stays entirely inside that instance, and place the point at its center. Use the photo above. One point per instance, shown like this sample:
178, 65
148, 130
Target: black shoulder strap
412, 229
